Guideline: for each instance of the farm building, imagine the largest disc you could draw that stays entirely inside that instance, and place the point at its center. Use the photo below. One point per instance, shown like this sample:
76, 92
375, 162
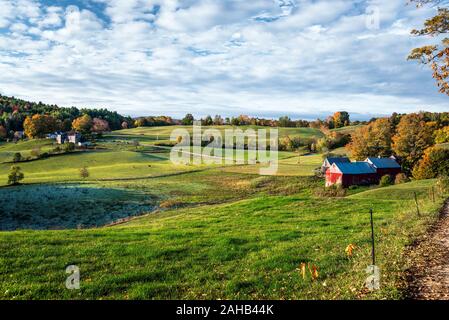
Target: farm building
361, 173
73, 137
61, 138
328, 162
18, 135
385, 166
352, 173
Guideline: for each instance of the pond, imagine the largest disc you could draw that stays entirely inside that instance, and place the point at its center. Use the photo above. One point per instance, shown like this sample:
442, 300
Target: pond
43, 207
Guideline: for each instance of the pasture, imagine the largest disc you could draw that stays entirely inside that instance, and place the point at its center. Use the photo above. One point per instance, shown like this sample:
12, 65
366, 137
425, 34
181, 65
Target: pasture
195, 232
245, 249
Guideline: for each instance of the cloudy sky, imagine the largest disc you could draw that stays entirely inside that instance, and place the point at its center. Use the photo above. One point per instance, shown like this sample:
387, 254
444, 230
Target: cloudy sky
303, 58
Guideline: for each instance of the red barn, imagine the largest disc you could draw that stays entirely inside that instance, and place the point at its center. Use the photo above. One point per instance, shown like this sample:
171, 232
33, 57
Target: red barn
353, 173
385, 166
329, 161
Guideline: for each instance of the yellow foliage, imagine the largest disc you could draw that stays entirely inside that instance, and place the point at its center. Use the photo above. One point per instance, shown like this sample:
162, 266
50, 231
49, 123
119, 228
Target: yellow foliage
349, 249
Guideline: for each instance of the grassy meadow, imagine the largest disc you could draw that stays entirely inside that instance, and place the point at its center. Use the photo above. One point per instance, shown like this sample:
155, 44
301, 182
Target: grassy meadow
140, 227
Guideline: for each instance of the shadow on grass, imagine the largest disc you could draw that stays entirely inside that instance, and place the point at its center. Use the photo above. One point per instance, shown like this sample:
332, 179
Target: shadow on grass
45, 207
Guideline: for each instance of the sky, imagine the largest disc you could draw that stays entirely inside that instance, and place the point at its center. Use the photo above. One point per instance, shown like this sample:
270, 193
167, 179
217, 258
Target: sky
266, 58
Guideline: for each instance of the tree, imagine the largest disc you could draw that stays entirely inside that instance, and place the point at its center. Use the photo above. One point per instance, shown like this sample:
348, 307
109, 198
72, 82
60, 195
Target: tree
329, 123
289, 144
208, 121
125, 125
285, 122
341, 119
385, 181
434, 163
218, 120
235, 121
17, 157
413, 137
15, 176
141, 122
443, 184
36, 152
65, 125
99, 125
435, 55
3, 133
84, 173
401, 178
83, 124
372, 140
188, 120
69, 147
38, 125
442, 135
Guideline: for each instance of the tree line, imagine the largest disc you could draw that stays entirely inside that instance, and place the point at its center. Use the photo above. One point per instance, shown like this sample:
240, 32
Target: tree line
416, 139
38, 119
338, 120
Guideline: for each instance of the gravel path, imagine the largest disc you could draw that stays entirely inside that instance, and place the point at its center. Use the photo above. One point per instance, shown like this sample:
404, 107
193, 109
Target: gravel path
428, 277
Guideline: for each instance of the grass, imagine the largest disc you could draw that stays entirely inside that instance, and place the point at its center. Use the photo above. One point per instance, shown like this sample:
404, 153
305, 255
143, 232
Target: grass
444, 145
101, 165
7, 150
68, 206
247, 249
287, 166
153, 135
348, 129
198, 232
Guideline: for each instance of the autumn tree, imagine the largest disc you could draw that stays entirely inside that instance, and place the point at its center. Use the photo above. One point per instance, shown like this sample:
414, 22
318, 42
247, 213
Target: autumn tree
83, 124
434, 163
65, 125
3, 132
100, 125
141, 122
413, 137
341, 119
372, 140
442, 135
39, 125
435, 55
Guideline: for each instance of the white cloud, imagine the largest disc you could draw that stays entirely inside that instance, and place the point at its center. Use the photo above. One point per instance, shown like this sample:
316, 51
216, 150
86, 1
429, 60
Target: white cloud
210, 56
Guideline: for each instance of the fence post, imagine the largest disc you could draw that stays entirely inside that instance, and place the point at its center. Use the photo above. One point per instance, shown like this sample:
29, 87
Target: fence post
417, 204
433, 194
373, 252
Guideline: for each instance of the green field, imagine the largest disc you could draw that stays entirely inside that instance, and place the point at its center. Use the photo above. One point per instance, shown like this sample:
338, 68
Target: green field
153, 135
140, 227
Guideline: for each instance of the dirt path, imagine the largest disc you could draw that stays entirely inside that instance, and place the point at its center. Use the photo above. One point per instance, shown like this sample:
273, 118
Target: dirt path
428, 277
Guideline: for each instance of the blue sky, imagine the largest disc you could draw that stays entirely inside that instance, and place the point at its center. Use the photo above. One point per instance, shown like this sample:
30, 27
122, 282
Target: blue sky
301, 58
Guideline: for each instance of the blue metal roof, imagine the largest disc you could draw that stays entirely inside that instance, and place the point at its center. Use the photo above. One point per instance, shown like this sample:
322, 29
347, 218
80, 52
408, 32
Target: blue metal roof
338, 159
356, 168
384, 163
